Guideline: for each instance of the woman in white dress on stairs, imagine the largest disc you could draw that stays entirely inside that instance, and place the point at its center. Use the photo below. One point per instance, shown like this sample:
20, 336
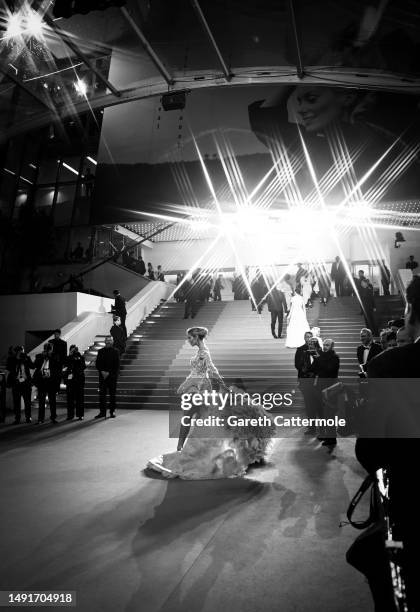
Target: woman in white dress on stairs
232, 448
297, 323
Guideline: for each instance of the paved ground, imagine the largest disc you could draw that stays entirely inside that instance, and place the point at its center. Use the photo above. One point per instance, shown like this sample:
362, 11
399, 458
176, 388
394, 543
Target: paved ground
78, 514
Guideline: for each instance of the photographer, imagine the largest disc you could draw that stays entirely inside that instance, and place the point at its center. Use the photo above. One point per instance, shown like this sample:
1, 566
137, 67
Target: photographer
47, 378
303, 362
325, 369
74, 376
19, 380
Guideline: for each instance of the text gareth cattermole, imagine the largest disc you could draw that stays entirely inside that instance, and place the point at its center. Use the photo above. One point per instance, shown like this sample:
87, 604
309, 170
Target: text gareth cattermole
215, 398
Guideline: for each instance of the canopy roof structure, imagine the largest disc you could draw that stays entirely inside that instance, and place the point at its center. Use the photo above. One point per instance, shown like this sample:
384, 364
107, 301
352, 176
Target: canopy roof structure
53, 68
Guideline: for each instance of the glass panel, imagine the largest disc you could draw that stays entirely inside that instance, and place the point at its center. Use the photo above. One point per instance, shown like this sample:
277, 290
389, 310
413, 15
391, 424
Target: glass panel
64, 207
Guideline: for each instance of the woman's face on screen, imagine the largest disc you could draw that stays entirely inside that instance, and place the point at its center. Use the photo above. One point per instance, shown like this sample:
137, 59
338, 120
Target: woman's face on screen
317, 107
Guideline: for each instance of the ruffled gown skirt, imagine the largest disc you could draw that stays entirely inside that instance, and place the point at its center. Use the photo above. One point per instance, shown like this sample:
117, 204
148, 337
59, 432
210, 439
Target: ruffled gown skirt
216, 457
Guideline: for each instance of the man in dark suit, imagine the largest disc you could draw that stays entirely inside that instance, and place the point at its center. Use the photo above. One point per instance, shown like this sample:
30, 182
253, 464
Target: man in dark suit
277, 305
59, 346
368, 305
74, 374
141, 266
393, 416
46, 378
338, 274
192, 291
303, 363
119, 309
411, 263
385, 277
19, 379
367, 350
108, 365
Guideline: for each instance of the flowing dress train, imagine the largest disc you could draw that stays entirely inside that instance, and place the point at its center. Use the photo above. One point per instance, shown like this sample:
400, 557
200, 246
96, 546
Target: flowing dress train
226, 455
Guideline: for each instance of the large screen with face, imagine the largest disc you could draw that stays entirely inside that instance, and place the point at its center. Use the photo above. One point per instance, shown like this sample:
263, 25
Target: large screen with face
266, 146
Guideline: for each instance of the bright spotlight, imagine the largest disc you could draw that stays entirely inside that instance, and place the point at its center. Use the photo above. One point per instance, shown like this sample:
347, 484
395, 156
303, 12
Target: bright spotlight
14, 26
361, 210
81, 87
198, 225
34, 24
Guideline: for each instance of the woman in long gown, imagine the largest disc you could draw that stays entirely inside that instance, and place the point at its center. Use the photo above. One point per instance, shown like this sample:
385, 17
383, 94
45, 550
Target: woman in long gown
229, 453
297, 322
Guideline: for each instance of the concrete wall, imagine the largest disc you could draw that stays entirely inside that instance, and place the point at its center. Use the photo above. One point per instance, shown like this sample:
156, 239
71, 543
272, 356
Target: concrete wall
79, 316
43, 312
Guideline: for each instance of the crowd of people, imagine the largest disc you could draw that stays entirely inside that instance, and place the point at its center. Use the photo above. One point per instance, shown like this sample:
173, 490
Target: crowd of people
318, 365
56, 367
137, 264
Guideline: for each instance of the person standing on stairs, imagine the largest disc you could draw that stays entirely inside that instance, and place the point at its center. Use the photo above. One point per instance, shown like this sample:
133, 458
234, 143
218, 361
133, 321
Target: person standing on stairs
218, 286
323, 285
258, 290
303, 362
367, 350
297, 324
108, 365
118, 336
192, 295
338, 274
368, 305
325, 367
276, 303
385, 277
119, 309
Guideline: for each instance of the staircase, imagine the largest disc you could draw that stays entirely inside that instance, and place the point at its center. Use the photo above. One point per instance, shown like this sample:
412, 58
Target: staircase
341, 321
241, 345
388, 307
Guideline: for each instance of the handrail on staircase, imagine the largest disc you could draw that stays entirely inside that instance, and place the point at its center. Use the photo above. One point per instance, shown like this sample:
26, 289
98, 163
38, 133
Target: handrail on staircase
403, 278
115, 255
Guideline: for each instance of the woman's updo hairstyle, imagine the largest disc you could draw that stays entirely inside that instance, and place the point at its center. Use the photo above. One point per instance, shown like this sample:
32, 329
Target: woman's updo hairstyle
200, 332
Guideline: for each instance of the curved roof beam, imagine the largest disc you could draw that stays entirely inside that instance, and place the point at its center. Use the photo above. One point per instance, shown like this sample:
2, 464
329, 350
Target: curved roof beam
263, 75
148, 48
197, 8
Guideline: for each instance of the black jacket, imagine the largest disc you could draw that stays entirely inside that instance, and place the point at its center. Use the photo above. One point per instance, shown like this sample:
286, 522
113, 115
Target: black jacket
396, 408
326, 367
119, 337
59, 349
119, 306
192, 290
375, 349
108, 360
76, 366
276, 301
13, 367
303, 362
337, 271
55, 370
